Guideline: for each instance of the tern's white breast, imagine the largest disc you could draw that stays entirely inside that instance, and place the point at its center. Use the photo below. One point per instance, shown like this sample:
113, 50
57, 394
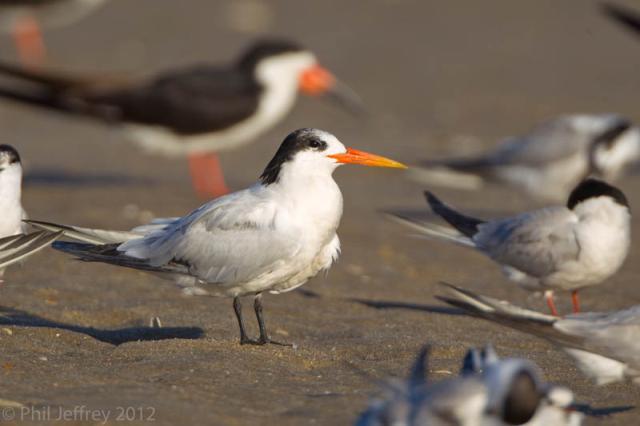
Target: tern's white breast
11, 213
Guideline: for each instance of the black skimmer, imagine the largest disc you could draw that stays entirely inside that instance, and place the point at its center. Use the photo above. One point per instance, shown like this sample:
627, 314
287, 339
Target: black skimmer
194, 111
271, 237
24, 19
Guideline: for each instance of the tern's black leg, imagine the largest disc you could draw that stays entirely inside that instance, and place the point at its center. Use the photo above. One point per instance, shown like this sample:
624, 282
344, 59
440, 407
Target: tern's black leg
237, 308
264, 336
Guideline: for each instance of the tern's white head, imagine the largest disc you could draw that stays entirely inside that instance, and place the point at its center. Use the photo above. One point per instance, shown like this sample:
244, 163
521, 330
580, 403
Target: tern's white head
316, 153
10, 173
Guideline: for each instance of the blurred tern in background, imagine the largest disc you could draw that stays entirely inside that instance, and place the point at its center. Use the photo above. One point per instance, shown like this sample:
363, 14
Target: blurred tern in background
556, 248
14, 244
604, 345
24, 19
489, 391
630, 19
548, 161
194, 111
272, 236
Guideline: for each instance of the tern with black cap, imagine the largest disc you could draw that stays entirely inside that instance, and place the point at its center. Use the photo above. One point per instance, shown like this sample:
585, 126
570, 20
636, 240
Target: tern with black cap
194, 111
270, 237
563, 248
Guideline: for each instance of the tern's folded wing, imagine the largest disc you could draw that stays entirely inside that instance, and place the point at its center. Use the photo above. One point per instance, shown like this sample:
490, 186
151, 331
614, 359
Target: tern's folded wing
232, 239
536, 243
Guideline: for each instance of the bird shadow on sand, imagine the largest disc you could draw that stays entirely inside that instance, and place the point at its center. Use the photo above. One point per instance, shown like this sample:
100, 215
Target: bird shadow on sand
385, 304
602, 412
54, 177
10, 316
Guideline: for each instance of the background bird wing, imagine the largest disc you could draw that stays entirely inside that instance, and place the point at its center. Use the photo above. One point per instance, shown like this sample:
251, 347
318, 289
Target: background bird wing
195, 100
550, 141
613, 334
535, 243
610, 334
190, 101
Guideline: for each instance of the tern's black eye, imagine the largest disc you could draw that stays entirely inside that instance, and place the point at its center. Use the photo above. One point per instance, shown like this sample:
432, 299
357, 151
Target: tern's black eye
318, 145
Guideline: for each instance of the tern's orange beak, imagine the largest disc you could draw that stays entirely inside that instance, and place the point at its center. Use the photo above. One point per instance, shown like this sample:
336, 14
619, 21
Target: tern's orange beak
316, 80
354, 156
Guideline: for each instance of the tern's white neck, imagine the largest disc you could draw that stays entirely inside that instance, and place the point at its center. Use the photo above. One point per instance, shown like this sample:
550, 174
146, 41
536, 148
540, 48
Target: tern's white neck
311, 194
10, 204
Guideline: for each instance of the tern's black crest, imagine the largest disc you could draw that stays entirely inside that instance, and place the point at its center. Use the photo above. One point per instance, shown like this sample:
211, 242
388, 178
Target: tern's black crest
592, 188
9, 152
609, 136
299, 140
266, 48
522, 399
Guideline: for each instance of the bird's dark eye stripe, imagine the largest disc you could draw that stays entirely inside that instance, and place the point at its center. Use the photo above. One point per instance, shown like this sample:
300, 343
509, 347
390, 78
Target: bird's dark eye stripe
317, 144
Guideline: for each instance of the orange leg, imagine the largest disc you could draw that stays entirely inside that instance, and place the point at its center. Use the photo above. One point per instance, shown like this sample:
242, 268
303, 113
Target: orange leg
207, 176
548, 295
29, 42
575, 301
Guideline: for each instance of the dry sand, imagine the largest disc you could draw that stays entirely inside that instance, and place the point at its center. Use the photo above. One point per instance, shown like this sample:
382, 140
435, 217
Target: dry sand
440, 77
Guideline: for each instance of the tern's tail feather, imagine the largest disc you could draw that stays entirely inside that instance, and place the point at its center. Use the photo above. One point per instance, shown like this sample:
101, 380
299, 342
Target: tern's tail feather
432, 230
109, 253
504, 313
52, 91
87, 235
17, 247
465, 224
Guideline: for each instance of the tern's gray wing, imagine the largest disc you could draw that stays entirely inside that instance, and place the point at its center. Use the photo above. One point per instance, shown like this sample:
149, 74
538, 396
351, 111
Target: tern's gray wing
155, 225
615, 335
612, 335
550, 141
503, 312
535, 243
232, 239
